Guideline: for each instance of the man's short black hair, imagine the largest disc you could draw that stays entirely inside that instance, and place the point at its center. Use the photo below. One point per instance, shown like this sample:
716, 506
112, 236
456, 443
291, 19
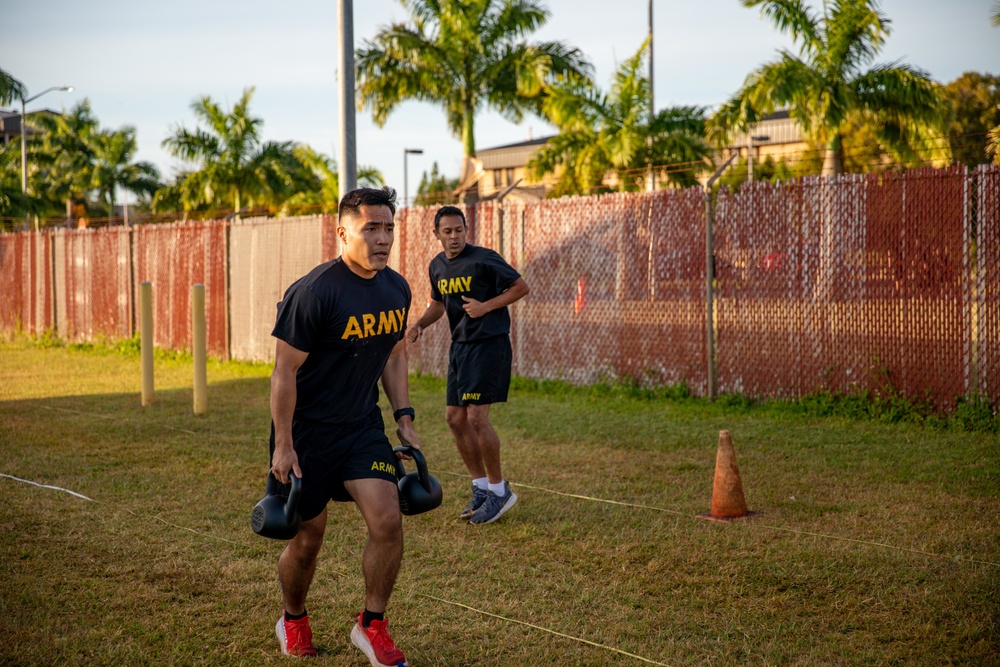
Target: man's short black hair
352, 202
446, 211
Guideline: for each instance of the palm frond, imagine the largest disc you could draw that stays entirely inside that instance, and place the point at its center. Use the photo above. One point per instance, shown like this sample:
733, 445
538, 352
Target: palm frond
793, 17
856, 32
11, 89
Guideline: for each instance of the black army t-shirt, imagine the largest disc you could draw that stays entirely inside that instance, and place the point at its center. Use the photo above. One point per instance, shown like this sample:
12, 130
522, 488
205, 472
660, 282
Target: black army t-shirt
480, 274
348, 325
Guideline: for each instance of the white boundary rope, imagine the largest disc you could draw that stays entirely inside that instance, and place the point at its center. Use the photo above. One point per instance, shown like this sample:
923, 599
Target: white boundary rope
111, 417
46, 486
600, 500
763, 524
138, 516
543, 629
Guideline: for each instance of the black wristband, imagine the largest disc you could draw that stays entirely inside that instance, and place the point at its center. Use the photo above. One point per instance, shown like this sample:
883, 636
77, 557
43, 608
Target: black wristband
404, 411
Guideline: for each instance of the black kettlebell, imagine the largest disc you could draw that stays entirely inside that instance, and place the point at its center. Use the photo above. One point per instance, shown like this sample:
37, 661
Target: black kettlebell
277, 516
419, 491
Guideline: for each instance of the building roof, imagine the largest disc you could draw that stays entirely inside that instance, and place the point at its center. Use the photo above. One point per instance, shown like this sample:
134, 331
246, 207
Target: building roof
510, 155
778, 128
10, 121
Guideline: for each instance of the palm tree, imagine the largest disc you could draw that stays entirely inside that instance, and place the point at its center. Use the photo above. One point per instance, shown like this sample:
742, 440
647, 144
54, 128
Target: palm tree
114, 168
831, 82
323, 191
13, 203
995, 15
11, 89
77, 159
601, 133
63, 169
232, 166
464, 55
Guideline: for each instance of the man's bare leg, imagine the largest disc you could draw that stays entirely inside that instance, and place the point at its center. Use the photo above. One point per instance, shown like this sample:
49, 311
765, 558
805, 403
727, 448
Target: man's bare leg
297, 563
487, 440
466, 440
378, 501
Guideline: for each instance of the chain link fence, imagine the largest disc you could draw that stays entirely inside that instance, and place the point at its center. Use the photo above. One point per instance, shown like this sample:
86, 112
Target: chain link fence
881, 283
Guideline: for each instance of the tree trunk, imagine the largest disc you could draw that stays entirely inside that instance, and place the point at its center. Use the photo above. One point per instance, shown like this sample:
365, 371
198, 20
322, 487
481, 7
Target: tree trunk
833, 158
468, 144
470, 194
468, 131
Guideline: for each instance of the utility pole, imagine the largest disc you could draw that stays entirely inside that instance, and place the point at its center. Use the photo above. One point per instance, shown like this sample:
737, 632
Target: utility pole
346, 155
649, 139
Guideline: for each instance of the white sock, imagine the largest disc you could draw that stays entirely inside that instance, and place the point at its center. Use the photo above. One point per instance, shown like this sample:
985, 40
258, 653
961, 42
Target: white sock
497, 489
482, 482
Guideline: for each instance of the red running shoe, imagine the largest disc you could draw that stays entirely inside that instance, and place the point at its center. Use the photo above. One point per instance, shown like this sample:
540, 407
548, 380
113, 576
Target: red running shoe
296, 637
375, 642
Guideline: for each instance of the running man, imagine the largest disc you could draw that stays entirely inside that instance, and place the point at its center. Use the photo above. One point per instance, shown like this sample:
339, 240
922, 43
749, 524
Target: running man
474, 286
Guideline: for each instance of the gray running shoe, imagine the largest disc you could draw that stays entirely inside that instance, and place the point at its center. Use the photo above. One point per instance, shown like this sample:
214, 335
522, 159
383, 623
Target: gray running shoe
495, 506
478, 498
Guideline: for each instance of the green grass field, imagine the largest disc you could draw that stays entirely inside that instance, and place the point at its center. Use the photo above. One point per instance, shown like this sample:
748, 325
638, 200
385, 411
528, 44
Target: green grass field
875, 543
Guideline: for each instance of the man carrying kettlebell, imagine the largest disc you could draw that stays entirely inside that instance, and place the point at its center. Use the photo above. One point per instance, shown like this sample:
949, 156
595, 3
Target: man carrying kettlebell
474, 286
340, 330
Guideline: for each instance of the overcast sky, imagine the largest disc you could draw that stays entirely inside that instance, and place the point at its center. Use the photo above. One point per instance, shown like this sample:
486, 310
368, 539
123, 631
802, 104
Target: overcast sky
143, 63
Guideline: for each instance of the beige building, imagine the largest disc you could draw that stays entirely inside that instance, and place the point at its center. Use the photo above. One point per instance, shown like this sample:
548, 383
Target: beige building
500, 171
778, 136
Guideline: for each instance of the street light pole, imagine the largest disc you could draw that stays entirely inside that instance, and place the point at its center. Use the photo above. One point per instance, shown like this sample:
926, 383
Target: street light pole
406, 191
24, 142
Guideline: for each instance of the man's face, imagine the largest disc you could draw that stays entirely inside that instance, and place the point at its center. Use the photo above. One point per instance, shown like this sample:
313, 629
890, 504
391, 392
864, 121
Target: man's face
451, 233
367, 237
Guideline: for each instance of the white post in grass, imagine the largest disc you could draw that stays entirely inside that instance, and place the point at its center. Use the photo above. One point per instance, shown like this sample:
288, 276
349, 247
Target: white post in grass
146, 341
198, 348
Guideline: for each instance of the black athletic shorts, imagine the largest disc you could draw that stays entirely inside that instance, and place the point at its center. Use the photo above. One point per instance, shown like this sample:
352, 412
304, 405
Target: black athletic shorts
479, 372
331, 455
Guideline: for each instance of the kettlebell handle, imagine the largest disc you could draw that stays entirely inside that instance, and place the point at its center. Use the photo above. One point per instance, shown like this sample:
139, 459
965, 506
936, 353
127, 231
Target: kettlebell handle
418, 457
292, 504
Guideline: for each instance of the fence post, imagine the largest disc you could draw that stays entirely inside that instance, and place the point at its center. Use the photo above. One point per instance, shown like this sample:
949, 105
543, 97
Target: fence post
146, 341
228, 306
710, 278
198, 348
132, 240
52, 279
709, 293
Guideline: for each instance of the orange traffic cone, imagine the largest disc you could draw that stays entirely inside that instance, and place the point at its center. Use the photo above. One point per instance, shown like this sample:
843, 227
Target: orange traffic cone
728, 503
